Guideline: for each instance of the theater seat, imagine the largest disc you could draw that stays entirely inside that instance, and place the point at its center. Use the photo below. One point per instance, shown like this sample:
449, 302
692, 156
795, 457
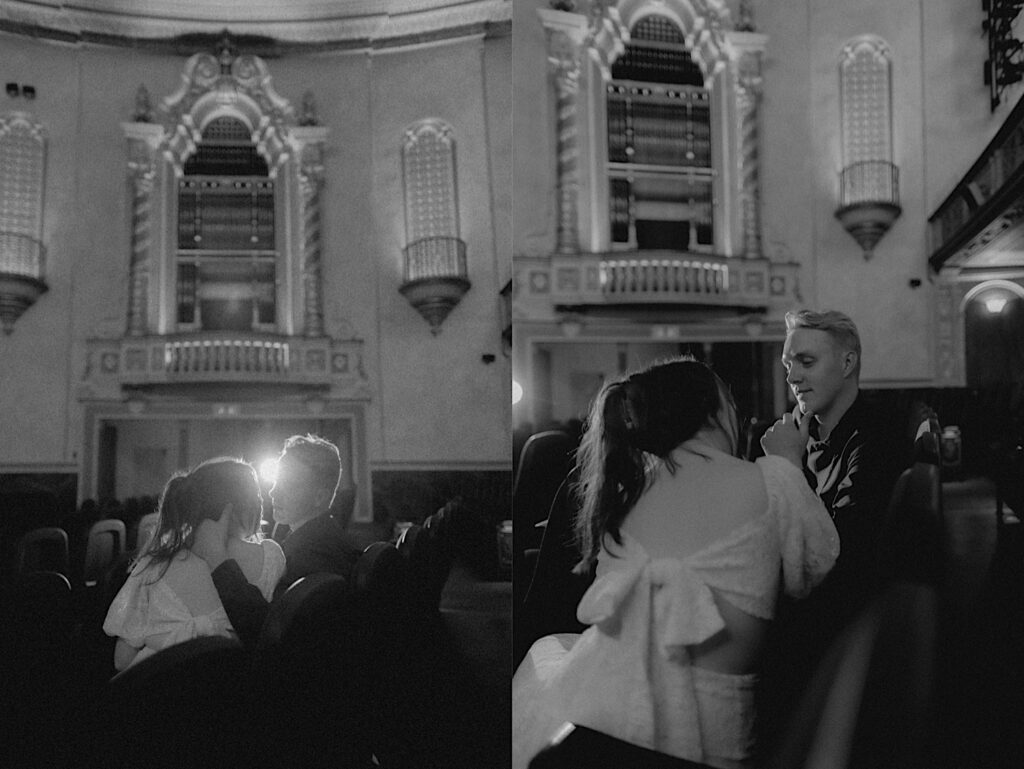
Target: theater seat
554, 591
870, 702
43, 549
188, 705
316, 668
911, 543
147, 527
580, 747
428, 563
104, 546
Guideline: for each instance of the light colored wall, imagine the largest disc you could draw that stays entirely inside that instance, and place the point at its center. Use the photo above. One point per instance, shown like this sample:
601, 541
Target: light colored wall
35, 366
434, 403
413, 366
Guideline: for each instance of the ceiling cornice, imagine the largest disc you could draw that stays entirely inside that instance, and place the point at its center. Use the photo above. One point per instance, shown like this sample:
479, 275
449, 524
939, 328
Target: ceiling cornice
265, 29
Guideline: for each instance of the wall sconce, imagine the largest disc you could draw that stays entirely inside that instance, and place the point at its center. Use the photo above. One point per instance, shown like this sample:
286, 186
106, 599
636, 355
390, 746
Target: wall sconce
869, 201
435, 277
19, 290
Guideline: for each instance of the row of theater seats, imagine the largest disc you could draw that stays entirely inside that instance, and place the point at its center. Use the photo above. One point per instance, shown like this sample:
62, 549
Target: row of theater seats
344, 670
47, 549
870, 702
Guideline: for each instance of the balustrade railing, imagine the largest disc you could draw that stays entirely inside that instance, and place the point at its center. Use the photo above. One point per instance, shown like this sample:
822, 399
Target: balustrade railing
222, 357
661, 278
632, 277
226, 355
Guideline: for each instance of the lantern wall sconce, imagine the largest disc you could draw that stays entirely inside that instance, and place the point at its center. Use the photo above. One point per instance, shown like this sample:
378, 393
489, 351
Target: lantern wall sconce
869, 201
21, 282
435, 278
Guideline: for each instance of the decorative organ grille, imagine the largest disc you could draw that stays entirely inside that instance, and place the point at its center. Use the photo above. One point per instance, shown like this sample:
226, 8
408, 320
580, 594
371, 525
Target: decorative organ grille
659, 143
22, 165
226, 235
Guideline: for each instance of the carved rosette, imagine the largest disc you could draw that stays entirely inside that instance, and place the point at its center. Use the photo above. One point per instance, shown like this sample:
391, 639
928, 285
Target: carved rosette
311, 176
748, 99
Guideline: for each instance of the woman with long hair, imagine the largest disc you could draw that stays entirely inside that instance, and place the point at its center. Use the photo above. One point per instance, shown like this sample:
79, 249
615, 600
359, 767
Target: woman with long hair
691, 547
169, 596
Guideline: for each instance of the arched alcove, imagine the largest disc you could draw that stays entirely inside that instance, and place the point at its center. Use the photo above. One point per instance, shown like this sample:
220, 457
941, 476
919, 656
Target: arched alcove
993, 314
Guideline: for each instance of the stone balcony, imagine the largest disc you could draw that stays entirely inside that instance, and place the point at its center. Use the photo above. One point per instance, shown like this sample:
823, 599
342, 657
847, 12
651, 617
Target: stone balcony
223, 358
655, 277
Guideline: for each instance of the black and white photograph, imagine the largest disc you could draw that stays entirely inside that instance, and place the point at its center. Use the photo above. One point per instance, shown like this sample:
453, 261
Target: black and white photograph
255, 372
768, 318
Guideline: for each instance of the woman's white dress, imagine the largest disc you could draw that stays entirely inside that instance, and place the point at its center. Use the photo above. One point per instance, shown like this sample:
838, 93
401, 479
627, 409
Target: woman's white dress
147, 613
629, 674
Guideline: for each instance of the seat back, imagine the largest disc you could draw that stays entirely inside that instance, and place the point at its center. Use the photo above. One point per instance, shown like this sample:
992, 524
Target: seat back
37, 613
912, 541
43, 549
554, 591
870, 701
545, 460
926, 447
187, 705
103, 548
314, 660
580, 747
428, 564
147, 527
750, 440
381, 573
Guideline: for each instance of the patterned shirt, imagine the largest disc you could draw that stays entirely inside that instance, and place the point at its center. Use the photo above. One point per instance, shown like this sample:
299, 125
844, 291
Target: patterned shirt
853, 471
833, 464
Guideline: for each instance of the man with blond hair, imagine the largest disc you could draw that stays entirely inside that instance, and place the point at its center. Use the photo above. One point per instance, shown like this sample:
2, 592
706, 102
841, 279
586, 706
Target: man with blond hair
851, 462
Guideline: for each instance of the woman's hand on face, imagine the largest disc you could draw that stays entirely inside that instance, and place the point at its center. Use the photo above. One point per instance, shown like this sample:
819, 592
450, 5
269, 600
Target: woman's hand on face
210, 541
788, 437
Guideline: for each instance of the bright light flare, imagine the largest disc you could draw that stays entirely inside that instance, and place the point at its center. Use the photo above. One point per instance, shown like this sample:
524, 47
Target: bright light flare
995, 304
517, 392
268, 470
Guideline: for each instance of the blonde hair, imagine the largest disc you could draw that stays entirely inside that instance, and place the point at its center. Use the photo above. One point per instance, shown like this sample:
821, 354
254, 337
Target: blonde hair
837, 325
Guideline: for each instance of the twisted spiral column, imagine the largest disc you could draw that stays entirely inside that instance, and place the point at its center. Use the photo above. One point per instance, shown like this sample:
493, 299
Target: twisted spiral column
141, 178
567, 149
564, 64
748, 100
313, 314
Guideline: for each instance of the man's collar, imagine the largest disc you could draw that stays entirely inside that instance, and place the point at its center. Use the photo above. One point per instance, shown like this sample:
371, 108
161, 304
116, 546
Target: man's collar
847, 424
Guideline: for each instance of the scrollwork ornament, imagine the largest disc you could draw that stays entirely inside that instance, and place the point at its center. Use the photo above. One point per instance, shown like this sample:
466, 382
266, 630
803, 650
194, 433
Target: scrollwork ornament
564, 60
